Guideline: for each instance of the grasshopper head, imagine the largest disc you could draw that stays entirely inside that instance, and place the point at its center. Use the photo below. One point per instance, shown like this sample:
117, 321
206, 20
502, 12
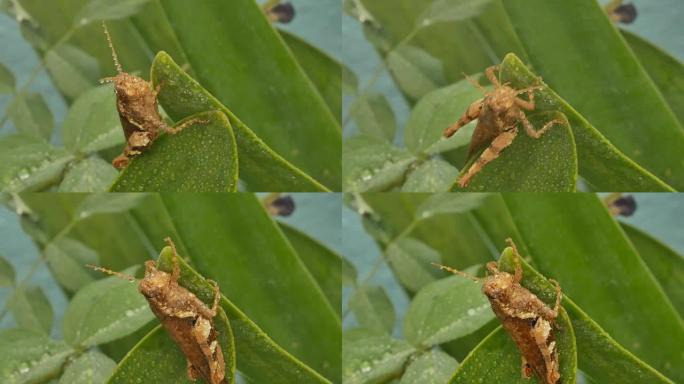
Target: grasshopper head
496, 286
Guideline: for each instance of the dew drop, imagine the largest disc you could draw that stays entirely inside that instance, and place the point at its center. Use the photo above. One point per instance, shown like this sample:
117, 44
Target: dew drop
366, 175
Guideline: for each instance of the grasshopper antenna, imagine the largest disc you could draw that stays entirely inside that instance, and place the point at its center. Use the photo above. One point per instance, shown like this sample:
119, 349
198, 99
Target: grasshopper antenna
456, 272
474, 83
110, 272
111, 46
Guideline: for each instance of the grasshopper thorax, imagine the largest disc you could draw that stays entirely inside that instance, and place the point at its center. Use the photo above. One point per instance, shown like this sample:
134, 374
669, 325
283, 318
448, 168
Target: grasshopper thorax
498, 285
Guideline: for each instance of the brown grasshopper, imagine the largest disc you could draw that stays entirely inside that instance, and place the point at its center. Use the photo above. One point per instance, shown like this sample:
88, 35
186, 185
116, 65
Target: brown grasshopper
498, 114
188, 320
527, 319
137, 104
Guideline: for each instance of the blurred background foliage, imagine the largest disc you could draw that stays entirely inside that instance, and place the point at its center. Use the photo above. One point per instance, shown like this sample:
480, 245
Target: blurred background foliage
410, 58
622, 279
282, 95
51, 330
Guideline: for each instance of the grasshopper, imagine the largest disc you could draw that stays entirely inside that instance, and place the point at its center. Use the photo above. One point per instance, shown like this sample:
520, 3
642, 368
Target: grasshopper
136, 101
188, 320
527, 319
497, 115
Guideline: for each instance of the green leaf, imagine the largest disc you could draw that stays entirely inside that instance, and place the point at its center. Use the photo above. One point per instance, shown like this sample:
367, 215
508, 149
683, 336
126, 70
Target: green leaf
370, 164
29, 163
92, 122
201, 158
434, 175
666, 265
256, 349
465, 45
370, 358
99, 203
494, 218
134, 54
31, 115
312, 333
31, 309
435, 112
603, 359
432, 367
114, 236
89, 175
349, 273
416, 71
446, 310
321, 69
30, 357
411, 260
374, 116
445, 203
350, 83
151, 22
373, 308
324, 264
260, 167
451, 10
462, 248
599, 356
72, 70
460, 348
599, 162
7, 274
107, 10
614, 287
7, 81
666, 72
67, 258
286, 111
105, 310
93, 367
547, 164
596, 83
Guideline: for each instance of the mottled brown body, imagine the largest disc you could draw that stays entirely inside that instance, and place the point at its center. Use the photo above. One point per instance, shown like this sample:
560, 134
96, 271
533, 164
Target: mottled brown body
527, 319
498, 114
187, 319
138, 108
